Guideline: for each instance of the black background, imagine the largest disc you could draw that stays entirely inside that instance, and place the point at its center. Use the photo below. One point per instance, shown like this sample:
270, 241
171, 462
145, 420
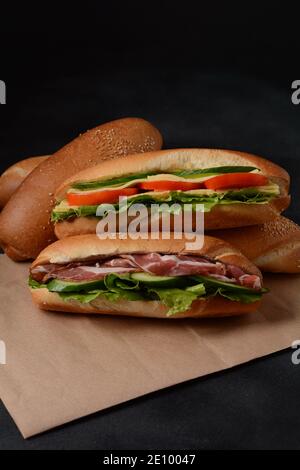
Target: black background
218, 76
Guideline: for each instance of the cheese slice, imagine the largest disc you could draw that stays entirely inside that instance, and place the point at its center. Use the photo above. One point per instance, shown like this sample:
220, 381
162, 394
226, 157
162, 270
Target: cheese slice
160, 177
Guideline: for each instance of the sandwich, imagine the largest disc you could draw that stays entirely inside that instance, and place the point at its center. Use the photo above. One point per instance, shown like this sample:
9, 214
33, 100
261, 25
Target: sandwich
25, 225
145, 278
235, 189
272, 247
11, 179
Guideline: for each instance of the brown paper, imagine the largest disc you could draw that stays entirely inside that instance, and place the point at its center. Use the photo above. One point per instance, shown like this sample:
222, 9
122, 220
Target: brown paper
61, 366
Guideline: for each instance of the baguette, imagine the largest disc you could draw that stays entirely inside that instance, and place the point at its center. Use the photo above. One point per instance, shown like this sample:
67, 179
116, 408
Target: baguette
25, 226
273, 246
11, 179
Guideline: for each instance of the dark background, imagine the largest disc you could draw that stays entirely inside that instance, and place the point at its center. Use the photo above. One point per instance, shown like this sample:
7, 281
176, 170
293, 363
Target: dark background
215, 76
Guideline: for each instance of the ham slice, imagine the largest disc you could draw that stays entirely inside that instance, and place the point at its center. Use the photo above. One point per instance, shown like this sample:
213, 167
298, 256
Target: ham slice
76, 273
251, 281
176, 265
152, 263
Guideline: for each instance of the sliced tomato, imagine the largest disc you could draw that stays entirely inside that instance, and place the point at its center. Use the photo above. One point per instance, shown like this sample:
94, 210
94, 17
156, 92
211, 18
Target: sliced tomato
169, 186
235, 180
99, 197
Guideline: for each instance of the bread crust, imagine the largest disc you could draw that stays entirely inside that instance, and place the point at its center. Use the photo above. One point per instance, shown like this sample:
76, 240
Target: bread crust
212, 307
272, 246
25, 225
76, 226
11, 179
174, 159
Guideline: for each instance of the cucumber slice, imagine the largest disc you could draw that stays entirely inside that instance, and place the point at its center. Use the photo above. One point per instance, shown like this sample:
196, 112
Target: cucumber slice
209, 281
57, 285
158, 281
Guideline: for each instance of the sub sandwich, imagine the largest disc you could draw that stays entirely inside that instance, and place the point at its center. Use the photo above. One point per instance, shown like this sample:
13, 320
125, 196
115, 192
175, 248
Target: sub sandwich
236, 189
145, 278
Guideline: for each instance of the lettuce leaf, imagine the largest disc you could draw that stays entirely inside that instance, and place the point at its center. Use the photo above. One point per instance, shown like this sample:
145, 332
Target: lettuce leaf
115, 282
121, 287
123, 295
242, 297
178, 300
34, 284
80, 211
83, 298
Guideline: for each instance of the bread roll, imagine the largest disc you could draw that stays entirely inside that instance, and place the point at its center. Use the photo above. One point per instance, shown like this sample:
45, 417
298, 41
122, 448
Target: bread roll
25, 226
273, 246
11, 179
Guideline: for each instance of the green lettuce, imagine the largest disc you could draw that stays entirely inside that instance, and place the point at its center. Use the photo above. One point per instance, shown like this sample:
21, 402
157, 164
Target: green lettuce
117, 282
243, 297
121, 287
110, 296
123, 295
34, 284
178, 300
83, 298
80, 211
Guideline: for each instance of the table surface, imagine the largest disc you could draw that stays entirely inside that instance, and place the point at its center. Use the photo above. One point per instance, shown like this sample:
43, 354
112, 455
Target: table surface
204, 104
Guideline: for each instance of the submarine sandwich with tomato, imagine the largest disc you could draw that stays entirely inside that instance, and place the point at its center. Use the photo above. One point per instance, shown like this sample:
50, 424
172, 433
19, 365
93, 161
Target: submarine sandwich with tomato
236, 189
